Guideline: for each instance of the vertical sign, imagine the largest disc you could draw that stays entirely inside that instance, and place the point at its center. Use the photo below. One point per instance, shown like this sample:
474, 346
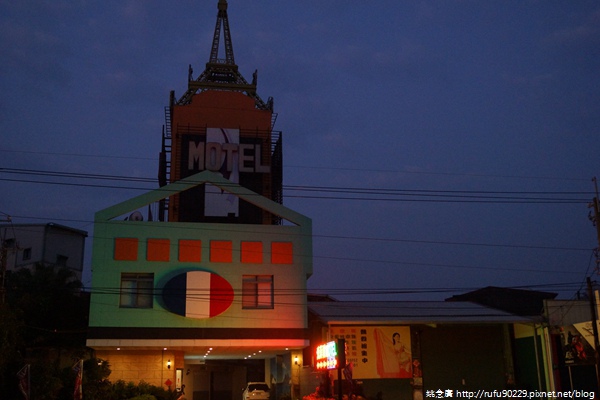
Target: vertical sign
178, 379
219, 203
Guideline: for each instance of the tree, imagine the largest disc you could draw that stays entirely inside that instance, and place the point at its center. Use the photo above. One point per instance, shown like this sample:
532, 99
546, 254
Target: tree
50, 304
10, 358
43, 323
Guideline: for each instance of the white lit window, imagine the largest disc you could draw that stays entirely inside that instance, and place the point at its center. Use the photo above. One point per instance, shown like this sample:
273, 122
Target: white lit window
136, 290
257, 291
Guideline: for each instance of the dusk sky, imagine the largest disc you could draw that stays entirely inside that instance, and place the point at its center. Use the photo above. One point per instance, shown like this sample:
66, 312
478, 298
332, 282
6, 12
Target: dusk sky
441, 146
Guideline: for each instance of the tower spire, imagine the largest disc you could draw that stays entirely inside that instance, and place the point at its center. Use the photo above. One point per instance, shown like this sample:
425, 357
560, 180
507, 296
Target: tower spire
223, 74
222, 20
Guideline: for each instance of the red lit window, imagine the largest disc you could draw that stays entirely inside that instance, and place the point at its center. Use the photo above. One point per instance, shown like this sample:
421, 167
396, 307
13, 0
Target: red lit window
190, 250
158, 250
282, 253
221, 251
126, 249
252, 252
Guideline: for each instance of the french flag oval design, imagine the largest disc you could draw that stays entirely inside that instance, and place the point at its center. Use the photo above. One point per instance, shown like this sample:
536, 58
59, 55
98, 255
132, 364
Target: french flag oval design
198, 294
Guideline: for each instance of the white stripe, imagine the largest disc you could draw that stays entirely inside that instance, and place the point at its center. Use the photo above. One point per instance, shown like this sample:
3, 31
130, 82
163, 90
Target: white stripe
197, 303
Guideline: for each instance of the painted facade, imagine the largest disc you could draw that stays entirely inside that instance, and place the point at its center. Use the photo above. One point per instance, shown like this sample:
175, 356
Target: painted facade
212, 293
191, 293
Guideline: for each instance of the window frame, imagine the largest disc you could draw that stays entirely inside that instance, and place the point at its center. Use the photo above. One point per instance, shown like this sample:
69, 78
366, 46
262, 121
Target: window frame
27, 254
258, 292
141, 292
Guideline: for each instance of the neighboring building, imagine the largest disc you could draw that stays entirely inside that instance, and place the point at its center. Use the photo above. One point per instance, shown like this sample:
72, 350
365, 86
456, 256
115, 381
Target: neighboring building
404, 349
532, 351
49, 244
211, 292
515, 301
571, 343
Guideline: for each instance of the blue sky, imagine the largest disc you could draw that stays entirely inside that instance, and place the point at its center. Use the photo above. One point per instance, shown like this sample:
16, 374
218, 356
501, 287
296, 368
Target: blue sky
463, 98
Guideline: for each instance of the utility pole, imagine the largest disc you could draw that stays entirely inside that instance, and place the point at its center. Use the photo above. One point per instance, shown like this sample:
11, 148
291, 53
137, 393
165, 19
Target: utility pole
596, 219
593, 306
593, 312
3, 256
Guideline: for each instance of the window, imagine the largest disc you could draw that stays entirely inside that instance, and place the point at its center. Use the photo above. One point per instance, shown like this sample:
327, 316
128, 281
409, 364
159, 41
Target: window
136, 290
27, 254
257, 291
282, 253
221, 251
252, 252
126, 249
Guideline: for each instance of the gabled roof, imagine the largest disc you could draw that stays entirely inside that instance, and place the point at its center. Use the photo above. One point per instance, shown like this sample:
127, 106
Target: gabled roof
410, 312
515, 301
204, 177
47, 224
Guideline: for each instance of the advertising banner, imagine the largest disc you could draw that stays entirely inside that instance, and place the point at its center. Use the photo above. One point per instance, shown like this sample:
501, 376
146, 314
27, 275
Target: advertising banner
377, 351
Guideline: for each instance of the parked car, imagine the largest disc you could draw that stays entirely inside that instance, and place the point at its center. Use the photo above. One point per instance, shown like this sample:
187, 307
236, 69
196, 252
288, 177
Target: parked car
256, 391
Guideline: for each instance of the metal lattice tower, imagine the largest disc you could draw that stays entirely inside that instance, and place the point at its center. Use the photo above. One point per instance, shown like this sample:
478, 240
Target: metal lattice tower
222, 20
223, 74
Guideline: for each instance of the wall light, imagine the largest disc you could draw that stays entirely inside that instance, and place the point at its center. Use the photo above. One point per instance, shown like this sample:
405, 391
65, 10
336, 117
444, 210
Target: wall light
296, 360
169, 364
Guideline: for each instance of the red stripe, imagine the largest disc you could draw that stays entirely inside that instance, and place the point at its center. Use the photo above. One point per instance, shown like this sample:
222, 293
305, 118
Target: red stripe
221, 295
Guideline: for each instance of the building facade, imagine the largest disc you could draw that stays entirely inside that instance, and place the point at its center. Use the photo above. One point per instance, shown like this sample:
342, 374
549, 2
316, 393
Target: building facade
186, 303
210, 293
49, 244
403, 349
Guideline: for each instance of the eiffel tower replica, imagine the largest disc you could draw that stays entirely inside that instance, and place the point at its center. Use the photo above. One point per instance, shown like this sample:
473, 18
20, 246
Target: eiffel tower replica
223, 73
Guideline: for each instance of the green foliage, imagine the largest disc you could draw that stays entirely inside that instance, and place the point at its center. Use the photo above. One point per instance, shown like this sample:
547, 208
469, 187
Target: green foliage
46, 382
49, 303
143, 391
10, 342
44, 324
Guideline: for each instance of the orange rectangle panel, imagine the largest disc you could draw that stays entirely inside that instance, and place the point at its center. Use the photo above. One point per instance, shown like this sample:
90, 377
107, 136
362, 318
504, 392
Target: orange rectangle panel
190, 250
252, 253
282, 253
158, 250
221, 251
126, 249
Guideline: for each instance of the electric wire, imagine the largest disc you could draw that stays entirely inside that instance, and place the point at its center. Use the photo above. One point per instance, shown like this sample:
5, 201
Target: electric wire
327, 168
351, 193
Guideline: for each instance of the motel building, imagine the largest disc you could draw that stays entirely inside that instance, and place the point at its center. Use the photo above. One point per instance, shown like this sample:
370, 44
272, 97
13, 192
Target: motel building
200, 285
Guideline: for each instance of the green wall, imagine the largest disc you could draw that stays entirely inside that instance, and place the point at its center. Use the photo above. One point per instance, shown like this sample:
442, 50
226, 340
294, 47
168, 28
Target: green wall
463, 357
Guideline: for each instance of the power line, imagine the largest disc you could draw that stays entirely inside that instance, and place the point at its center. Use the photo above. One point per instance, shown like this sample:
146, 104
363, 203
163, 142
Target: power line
351, 193
327, 168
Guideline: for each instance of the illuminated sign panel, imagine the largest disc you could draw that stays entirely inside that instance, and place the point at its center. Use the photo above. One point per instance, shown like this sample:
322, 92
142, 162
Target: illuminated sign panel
326, 356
